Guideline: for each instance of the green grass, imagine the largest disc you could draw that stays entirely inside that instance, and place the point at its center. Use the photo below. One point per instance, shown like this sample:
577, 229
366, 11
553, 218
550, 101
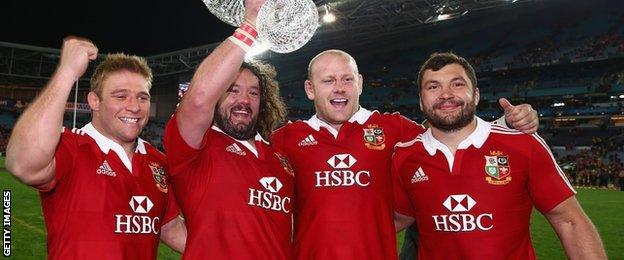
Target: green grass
604, 207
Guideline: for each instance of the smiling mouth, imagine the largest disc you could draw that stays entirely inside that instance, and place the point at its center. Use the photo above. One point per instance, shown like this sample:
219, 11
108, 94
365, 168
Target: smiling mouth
448, 105
241, 111
129, 120
339, 101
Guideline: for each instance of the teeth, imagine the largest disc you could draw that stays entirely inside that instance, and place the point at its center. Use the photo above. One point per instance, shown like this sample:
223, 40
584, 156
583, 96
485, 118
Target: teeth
129, 120
241, 112
339, 100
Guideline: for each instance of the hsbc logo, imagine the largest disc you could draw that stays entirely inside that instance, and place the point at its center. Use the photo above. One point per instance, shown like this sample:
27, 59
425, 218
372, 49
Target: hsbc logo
141, 204
269, 199
140, 222
272, 184
342, 176
341, 161
461, 220
459, 203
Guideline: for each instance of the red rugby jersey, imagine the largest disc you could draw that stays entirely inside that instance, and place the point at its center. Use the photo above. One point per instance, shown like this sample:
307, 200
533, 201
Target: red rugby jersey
97, 208
344, 207
477, 204
237, 201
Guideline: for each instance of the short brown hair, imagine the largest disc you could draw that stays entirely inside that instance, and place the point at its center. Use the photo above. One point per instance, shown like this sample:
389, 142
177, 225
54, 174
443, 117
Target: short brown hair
118, 62
438, 60
272, 107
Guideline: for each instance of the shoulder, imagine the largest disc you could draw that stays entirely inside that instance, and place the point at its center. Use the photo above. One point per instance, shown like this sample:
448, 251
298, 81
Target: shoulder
286, 131
411, 144
517, 138
76, 137
73, 132
398, 119
153, 151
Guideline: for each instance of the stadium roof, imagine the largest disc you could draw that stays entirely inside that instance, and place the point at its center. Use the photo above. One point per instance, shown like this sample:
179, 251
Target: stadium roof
149, 27
176, 35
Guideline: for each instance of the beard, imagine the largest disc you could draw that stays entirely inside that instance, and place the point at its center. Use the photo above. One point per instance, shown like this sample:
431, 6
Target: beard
238, 131
451, 123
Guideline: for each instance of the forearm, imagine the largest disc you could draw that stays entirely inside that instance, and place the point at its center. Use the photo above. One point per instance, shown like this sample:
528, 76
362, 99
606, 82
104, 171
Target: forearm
37, 132
174, 234
580, 239
578, 235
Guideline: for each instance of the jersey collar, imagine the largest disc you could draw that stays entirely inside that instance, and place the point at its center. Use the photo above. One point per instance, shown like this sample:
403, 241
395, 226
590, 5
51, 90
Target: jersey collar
105, 144
257, 138
476, 138
361, 116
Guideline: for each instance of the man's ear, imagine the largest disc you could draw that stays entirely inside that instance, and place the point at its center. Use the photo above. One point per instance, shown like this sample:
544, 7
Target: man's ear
309, 89
477, 96
94, 101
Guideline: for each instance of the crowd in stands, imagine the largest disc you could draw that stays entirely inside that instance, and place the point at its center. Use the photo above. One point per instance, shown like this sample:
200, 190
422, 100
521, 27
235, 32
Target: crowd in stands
598, 167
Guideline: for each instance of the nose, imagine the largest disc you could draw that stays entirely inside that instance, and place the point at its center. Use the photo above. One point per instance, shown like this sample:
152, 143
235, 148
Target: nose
340, 87
244, 98
447, 92
133, 105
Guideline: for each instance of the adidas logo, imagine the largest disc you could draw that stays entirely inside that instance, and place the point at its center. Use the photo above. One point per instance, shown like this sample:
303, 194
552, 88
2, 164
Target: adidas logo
234, 148
105, 169
309, 140
419, 176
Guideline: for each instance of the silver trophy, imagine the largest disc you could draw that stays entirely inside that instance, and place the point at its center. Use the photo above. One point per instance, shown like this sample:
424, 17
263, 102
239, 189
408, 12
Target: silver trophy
283, 25
287, 25
230, 11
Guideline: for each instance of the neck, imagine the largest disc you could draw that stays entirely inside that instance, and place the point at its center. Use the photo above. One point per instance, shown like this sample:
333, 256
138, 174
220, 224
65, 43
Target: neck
129, 147
252, 142
453, 138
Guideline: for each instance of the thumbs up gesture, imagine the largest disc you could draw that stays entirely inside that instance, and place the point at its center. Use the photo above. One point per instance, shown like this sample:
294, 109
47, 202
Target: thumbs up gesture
521, 117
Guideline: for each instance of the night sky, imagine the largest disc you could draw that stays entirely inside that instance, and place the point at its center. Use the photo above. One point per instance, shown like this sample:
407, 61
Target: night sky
139, 27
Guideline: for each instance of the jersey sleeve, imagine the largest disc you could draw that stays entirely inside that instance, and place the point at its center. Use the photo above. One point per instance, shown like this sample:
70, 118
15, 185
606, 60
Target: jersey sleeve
63, 159
179, 153
402, 204
278, 138
409, 129
172, 210
548, 184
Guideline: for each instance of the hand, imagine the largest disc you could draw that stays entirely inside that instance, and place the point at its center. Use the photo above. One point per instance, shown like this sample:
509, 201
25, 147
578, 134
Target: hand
252, 7
522, 117
75, 56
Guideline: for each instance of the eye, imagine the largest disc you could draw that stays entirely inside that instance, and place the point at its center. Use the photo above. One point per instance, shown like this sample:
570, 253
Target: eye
254, 93
431, 86
233, 90
328, 80
144, 98
459, 84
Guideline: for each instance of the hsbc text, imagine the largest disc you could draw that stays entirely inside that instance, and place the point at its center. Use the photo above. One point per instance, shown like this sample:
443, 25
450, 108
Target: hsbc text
342, 178
463, 222
133, 224
268, 200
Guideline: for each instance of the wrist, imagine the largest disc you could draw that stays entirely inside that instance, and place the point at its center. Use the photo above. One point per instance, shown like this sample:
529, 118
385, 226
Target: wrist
64, 75
244, 36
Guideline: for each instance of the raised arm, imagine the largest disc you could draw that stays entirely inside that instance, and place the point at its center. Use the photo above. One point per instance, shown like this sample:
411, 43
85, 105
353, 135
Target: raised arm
213, 77
30, 151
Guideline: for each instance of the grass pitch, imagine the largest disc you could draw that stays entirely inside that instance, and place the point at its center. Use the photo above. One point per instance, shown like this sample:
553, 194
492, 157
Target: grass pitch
604, 207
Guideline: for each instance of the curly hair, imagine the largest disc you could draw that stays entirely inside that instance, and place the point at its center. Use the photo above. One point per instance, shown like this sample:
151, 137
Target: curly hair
272, 108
